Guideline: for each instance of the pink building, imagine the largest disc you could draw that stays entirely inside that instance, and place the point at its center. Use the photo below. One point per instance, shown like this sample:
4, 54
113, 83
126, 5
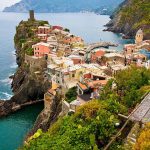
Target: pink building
44, 30
57, 27
41, 49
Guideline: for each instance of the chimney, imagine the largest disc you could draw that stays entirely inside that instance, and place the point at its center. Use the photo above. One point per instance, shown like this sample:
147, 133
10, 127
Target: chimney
31, 13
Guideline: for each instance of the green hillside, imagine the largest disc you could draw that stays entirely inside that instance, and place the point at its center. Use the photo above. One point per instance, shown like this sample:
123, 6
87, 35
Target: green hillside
94, 124
132, 15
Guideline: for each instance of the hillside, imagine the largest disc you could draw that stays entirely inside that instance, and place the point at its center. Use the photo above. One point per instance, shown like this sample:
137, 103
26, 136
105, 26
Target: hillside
100, 6
130, 16
94, 124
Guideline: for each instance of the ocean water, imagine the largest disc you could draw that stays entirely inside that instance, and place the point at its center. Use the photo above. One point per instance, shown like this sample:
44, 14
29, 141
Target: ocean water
89, 26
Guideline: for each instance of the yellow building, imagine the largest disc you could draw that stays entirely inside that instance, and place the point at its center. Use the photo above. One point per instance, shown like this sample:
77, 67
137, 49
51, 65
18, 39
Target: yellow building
139, 36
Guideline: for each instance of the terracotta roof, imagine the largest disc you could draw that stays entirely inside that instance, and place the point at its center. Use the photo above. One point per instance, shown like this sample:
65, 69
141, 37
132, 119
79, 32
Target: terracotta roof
97, 82
82, 86
99, 53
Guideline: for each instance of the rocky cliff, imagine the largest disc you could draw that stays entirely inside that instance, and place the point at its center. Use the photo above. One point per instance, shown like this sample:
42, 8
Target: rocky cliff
130, 16
50, 113
29, 82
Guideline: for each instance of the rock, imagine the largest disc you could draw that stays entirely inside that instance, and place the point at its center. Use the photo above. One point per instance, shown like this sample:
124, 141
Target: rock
129, 18
11, 77
26, 85
47, 117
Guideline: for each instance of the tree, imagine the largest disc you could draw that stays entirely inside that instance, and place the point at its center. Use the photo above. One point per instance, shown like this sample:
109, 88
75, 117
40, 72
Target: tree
89, 128
143, 142
71, 94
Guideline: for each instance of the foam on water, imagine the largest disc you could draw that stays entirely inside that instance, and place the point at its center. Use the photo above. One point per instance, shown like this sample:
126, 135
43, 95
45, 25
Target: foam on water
13, 66
6, 96
6, 81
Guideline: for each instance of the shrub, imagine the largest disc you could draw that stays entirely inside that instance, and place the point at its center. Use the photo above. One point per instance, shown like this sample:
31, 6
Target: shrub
71, 94
30, 51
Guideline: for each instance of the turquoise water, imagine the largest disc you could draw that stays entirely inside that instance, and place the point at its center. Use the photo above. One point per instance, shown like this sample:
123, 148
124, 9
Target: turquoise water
89, 26
14, 128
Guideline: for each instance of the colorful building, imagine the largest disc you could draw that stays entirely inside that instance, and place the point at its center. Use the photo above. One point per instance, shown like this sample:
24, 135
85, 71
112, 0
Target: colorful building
139, 36
41, 49
44, 30
95, 56
57, 27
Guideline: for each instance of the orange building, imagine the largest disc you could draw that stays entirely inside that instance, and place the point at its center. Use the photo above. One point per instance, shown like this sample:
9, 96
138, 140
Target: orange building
41, 49
70, 40
96, 55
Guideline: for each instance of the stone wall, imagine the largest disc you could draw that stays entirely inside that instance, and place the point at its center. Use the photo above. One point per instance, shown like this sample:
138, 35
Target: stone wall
35, 62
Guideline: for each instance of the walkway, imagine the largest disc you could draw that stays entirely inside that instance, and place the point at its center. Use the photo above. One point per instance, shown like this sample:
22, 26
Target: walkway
99, 44
142, 112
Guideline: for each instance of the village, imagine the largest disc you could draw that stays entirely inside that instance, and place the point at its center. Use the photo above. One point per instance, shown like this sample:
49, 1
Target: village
68, 62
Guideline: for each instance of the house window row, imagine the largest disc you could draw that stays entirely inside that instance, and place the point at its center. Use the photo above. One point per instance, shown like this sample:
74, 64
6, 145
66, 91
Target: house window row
36, 48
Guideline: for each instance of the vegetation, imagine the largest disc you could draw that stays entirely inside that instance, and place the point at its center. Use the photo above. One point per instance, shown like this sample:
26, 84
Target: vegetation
42, 23
71, 94
93, 124
130, 86
30, 51
143, 142
67, 30
89, 128
136, 13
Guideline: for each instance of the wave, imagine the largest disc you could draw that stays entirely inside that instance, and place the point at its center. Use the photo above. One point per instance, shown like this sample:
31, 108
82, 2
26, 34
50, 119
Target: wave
5, 95
6, 81
13, 66
13, 52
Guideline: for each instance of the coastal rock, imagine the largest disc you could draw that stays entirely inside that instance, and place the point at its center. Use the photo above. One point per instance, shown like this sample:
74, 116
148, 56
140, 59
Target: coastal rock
49, 115
5, 107
26, 85
129, 17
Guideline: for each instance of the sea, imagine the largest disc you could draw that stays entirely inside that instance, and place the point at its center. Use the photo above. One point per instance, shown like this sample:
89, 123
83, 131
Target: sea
89, 26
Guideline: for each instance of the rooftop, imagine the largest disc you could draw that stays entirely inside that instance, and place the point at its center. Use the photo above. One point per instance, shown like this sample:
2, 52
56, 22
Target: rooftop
43, 27
109, 55
41, 43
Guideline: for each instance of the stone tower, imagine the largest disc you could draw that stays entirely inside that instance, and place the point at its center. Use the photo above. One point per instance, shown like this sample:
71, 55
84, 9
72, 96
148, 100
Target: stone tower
139, 36
31, 12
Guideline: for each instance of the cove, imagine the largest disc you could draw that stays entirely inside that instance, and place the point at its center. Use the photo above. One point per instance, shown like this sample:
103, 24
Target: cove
14, 127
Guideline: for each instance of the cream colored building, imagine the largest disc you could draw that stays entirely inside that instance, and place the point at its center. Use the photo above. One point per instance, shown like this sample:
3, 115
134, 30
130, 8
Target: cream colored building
139, 36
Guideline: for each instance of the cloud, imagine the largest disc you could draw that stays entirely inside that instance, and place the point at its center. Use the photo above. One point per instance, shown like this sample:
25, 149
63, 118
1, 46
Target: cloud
5, 3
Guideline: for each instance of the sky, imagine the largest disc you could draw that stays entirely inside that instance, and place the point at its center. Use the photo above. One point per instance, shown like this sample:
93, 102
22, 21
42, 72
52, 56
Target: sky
5, 3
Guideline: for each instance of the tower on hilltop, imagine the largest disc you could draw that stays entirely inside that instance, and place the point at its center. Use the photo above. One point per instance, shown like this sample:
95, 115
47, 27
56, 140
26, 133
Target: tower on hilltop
139, 36
31, 13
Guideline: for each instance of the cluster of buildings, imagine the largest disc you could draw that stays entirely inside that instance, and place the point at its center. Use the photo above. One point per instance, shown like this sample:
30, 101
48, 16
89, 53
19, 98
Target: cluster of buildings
138, 53
71, 64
